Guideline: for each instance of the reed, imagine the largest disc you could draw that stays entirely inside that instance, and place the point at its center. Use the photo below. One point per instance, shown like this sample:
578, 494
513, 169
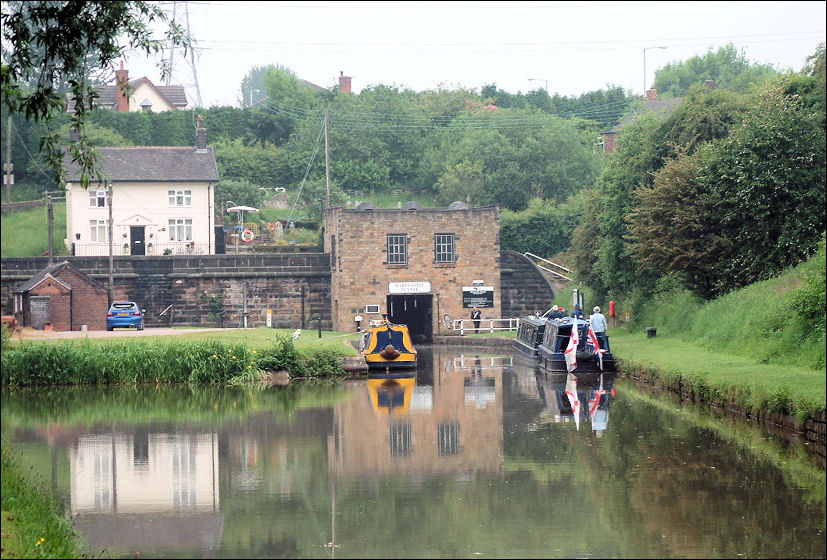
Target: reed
209, 361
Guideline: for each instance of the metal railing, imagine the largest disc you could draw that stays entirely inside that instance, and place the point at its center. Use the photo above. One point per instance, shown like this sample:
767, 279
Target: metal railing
548, 262
151, 249
486, 325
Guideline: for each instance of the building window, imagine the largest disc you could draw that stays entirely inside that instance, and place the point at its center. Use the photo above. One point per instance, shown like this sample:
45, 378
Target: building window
180, 229
397, 248
444, 248
180, 197
400, 440
97, 199
448, 438
97, 230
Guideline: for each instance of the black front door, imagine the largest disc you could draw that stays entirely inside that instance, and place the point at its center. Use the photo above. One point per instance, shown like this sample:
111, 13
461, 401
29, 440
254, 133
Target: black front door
136, 234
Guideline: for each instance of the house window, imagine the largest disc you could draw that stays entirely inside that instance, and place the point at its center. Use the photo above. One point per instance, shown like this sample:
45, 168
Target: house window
180, 229
444, 248
400, 440
180, 197
397, 248
448, 438
97, 230
97, 199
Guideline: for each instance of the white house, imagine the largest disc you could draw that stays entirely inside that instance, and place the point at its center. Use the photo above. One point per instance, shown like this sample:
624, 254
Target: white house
136, 95
162, 201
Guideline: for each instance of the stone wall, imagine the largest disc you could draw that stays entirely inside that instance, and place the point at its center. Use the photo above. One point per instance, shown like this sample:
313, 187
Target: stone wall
204, 290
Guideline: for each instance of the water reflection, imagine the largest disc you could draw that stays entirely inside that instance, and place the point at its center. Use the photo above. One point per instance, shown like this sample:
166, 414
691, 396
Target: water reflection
474, 455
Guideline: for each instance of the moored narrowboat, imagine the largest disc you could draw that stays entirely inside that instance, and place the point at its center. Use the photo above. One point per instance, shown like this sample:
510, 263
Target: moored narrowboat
589, 359
388, 346
529, 336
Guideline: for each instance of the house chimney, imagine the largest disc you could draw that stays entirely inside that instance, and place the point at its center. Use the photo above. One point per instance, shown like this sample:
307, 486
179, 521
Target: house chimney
344, 82
651, 95
710, 84
122, 90
200, 135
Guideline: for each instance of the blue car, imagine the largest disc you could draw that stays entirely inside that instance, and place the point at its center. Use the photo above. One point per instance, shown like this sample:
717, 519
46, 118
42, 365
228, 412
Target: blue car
124, 314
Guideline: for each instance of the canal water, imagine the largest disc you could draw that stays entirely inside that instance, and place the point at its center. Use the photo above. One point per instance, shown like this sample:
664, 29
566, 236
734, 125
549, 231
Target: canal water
477, 456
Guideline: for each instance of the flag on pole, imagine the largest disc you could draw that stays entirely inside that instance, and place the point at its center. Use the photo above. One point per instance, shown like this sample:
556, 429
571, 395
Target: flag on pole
592, 337
571, 393
571, 349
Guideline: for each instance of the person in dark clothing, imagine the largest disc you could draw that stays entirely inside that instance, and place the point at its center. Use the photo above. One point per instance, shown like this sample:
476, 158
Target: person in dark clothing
476, 315
577, 312
555, 313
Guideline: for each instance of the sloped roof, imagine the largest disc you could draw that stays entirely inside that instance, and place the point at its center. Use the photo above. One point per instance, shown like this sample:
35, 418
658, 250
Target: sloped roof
151, 163
108, 95
52, 270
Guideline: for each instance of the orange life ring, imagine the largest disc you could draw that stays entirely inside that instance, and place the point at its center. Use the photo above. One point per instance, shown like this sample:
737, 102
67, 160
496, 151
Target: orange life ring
247, 235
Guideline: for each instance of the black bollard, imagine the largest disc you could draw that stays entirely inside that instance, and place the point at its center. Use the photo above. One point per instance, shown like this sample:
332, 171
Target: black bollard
319, 325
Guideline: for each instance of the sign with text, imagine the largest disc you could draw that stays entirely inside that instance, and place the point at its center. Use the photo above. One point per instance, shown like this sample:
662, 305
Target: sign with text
477, 296
409, 287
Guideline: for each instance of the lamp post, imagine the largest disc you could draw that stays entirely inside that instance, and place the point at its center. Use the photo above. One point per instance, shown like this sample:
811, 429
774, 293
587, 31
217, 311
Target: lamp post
251, 95
644, 67
540, 80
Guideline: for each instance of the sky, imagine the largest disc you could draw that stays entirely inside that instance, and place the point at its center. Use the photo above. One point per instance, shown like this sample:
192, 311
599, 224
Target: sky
566, 47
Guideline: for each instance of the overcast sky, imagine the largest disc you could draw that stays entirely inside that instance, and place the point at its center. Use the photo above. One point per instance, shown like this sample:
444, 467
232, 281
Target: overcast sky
569, 47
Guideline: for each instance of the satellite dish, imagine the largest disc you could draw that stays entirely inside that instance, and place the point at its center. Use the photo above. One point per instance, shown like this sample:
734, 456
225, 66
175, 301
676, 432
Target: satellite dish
411, 205
366, 206
458, 205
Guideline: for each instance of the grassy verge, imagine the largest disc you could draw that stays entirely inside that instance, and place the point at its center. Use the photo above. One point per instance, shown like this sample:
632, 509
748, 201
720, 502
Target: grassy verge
164, 360
755, 386
32, 524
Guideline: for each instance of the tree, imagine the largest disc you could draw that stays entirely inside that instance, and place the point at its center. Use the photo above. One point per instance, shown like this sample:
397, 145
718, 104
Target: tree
50, 43
726, 67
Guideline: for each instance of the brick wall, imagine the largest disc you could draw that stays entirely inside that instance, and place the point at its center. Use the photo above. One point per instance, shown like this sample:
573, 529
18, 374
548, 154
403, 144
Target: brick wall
90, 302
357, 243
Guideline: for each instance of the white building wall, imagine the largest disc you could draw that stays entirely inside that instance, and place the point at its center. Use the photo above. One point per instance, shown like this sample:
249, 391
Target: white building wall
147, 92
140, 205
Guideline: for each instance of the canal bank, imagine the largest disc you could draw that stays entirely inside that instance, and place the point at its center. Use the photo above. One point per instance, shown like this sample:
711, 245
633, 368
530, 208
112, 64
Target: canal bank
687, 383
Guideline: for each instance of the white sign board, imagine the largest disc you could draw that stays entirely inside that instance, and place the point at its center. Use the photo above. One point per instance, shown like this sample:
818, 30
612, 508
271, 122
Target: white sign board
409, 287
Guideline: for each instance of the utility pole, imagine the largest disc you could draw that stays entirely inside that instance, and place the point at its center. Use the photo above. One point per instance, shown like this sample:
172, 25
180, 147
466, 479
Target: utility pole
8, 175
109, 229
50, 213
327, 155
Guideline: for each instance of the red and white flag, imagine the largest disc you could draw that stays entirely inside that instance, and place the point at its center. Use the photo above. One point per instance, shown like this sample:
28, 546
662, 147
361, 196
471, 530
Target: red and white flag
592, 337
574, 399
571, 349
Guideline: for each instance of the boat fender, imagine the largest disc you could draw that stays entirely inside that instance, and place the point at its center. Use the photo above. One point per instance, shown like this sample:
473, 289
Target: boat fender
389, 352
585, 356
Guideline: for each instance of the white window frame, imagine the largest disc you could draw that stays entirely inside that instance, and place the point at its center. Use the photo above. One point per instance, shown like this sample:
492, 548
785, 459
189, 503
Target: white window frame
179, 197
397, 244
180, 229
97, 227
444, 248
97, 199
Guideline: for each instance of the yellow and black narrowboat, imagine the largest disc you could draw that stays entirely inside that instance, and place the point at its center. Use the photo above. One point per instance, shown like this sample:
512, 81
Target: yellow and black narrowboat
388, 346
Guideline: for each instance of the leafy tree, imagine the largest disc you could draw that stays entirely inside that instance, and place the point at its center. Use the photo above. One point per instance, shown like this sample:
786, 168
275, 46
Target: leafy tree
266, 166
673, 228
242, 193
769, 177
48, 44
543, 228
726, 67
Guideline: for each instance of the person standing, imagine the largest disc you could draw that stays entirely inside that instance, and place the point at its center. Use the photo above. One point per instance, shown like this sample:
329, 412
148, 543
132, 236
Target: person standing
577, 312
598, 322
476, 315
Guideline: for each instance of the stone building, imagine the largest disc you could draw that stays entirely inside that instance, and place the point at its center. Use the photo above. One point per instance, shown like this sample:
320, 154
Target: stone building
421, 266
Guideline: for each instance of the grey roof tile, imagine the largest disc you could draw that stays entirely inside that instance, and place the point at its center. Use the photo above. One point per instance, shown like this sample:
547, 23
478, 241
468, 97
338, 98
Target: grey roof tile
151, 163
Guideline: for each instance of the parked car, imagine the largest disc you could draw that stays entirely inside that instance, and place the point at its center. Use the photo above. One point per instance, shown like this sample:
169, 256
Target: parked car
125, 314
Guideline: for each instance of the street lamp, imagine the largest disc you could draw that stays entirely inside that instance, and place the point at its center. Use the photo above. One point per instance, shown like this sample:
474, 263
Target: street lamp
644, 67
251, 95
540, 80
